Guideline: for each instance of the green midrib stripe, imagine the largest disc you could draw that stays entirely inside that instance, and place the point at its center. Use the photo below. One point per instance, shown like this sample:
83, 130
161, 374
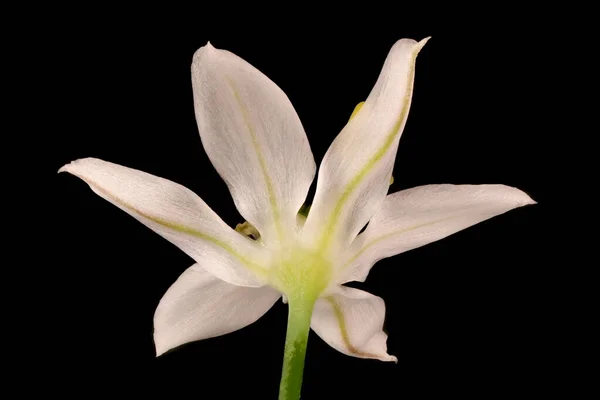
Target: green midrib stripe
339, 316
332, 221
179, 228
389, 235
261, 161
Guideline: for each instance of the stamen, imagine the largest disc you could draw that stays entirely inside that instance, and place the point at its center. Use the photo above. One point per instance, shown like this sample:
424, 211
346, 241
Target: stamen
248, 230
356, 110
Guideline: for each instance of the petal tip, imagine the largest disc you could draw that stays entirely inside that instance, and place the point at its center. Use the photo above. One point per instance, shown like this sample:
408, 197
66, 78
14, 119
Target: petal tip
421, 44
76, 163
67, 167
204, 51
513, 196
394, 359
409, 47
159, 346
522, 198
209, 47
159, 351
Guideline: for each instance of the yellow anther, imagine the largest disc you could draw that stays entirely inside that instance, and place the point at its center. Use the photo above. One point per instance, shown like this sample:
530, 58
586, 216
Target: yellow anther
248, 230
391, 180
356, 109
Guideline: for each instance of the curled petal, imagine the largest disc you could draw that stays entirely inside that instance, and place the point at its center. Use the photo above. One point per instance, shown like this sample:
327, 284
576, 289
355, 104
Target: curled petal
178, 215
415, 217
351, 321
356, 170
200, 306
255, 140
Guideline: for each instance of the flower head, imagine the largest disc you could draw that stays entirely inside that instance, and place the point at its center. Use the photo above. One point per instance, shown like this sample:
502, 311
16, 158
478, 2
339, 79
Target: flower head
256, 142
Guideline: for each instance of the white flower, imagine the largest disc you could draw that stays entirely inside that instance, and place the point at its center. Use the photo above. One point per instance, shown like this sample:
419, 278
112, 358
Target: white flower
255, 140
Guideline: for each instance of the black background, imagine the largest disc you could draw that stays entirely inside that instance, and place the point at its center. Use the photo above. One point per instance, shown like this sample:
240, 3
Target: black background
468, 316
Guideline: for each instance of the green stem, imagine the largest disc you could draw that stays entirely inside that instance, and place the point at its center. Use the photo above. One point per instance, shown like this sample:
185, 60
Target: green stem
300, 312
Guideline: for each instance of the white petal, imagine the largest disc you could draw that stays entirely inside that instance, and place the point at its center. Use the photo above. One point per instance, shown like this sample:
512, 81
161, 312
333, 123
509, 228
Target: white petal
254, 138
415, 217
355, 174
200, 306
178, 215
351, 321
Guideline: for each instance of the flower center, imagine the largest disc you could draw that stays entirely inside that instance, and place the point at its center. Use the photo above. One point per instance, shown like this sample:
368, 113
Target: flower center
300, 273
